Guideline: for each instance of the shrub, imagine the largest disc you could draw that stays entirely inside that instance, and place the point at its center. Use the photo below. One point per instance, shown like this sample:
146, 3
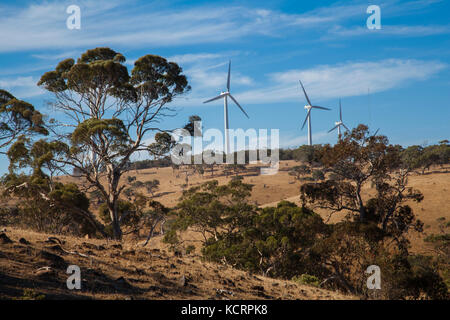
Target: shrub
307, 279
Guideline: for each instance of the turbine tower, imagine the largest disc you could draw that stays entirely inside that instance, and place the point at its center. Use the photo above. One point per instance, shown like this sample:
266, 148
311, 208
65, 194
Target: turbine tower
225, 96
309, 107
339, 123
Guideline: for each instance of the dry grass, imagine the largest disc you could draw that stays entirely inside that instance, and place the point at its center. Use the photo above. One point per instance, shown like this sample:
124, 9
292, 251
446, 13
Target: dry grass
128, 271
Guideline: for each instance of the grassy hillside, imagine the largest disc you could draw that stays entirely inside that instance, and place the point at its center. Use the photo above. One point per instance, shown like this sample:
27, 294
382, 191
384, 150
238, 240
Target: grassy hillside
34, 266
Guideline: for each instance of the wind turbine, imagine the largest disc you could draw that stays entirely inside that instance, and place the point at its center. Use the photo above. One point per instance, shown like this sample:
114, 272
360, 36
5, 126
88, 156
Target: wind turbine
309, 107
225, 96
339, 123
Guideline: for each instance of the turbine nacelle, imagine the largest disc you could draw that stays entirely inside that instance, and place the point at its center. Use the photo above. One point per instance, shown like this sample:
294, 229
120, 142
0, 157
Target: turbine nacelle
309, 107
338, 124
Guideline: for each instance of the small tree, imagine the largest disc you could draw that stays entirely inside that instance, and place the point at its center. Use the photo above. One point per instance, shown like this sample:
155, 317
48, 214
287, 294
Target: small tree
111, 112
49, 206
358, 159
318, 175
18, 118
210, 209
152, 186
299, 171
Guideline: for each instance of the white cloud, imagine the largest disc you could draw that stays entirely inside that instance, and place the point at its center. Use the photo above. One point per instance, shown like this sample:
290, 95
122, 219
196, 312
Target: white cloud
388, 30
342, 80
21, 87
56, 56
194, 57
44, 25
322, 82
112, 23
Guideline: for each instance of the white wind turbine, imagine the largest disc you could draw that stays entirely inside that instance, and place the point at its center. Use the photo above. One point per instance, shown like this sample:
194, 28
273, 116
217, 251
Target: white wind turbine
309, 107
225, 96
339, 123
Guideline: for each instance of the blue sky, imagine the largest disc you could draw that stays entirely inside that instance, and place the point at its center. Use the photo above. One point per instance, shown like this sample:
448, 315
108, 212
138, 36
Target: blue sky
405, 65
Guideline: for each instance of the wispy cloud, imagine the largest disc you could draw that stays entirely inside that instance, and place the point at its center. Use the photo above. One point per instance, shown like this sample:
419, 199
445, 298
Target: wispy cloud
43, 25
194, 57
21, 87
387, 30
342, 80
56, 56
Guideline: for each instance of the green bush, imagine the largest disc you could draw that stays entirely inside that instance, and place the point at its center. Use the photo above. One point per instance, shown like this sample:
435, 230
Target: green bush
307, 279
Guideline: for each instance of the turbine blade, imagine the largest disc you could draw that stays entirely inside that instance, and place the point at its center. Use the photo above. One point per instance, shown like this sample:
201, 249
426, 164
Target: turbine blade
317, 107
304, 91
229, 74
215, 98
333, 129
307, 116
345, 127
340, 110
237, 103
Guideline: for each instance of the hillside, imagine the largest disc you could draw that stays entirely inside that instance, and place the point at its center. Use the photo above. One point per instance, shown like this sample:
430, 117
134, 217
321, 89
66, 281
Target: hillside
269, 190
126, 270
112, 270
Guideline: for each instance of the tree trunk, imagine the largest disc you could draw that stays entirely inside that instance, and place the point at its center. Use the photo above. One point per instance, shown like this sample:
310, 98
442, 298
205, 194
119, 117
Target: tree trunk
362, 209
113, 213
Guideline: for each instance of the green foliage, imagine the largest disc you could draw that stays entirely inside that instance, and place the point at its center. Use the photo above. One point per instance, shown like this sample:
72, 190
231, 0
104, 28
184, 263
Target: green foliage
112, 113
18, 118
151, 186
51, 207
111, 130
190, 249
131, 179
307, 279
415, 157
209, 207
299, 171
30, 294
269, 240
162, 145
318, 175
444, 238
191, 125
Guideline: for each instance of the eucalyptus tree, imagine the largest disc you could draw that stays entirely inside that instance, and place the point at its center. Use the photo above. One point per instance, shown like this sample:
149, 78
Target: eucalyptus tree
109, 113
18, 118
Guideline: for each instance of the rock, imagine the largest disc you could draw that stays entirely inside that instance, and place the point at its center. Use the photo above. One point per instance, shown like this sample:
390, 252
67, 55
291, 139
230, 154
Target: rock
23, 241
182, 281
121, 283
53, 260
4, 239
